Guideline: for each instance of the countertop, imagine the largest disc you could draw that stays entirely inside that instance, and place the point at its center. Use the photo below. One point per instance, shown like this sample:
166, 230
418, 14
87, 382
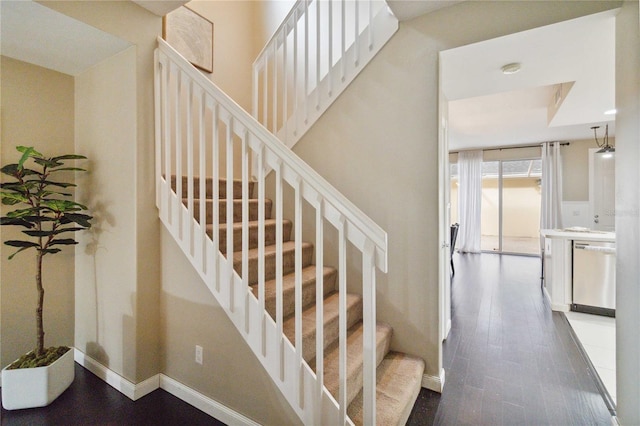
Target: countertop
587, 235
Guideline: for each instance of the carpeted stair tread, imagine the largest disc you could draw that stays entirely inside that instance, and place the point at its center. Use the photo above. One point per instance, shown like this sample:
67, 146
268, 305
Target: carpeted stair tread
237, 209
253, 226
222, 187
288, 288
354, 359
398, 382
331, 325
288, 260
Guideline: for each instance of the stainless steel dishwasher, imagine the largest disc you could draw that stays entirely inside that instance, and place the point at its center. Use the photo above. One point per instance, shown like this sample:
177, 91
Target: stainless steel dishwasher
594, 277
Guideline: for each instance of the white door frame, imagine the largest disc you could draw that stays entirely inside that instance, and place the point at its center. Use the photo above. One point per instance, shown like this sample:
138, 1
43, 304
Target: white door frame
444, 230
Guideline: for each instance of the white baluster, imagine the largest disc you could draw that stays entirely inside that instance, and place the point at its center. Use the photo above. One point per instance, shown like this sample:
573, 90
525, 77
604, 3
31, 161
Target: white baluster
295, 114
189, 122
343, 32
279, 266
306, 61
178, 166
330, 35
369, 337
285, 87
215, 178
245, 228
318, 58
274, 130
166, 121
229, 140
371, 25
319, 305
265, 91
298, 283
342, 319
255, 70
261, 247
158, 104
202, 179
356, 36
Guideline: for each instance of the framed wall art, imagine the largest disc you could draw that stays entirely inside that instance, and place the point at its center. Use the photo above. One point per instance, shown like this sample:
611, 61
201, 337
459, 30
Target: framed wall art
191, 35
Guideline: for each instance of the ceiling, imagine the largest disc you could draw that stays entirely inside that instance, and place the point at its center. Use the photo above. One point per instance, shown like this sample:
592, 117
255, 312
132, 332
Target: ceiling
160, 8
486, 108
409, 9
33, 33
565, 85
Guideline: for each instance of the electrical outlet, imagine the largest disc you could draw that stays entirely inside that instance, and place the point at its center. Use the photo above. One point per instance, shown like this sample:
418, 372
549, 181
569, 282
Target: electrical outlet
199, 354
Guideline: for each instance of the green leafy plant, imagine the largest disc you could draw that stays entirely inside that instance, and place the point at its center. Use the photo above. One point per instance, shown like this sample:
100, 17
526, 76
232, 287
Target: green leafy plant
45, 210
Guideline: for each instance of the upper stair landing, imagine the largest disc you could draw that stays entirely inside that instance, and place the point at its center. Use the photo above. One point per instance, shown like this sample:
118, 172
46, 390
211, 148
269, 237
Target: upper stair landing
318, 50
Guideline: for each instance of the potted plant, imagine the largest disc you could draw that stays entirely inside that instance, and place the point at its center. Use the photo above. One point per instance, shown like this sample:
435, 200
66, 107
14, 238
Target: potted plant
48, 215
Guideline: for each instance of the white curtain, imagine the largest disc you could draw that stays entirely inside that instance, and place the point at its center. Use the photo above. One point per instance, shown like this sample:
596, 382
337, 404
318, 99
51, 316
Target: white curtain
470, 200
551, 209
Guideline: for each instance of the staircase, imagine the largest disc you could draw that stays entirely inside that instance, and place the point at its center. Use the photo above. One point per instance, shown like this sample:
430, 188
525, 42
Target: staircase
316, 337
398, 376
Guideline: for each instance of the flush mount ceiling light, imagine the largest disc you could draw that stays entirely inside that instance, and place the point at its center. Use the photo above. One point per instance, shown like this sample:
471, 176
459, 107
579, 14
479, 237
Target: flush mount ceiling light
611, 112
511, 68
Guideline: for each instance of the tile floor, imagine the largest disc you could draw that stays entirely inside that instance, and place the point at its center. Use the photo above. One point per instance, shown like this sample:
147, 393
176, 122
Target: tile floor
598, 337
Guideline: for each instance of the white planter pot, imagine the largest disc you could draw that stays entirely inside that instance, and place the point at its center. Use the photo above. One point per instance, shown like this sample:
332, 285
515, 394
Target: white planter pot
37, 387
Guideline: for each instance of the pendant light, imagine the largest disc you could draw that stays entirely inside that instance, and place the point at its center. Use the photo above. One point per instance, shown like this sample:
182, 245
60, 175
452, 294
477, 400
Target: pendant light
605, 148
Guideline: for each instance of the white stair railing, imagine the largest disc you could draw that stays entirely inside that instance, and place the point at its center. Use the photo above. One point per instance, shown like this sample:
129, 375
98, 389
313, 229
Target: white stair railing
317, 51
199, 130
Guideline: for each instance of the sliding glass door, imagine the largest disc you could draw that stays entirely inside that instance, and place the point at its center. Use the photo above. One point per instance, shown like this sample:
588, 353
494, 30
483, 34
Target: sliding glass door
511, 213
510, 205
521, 201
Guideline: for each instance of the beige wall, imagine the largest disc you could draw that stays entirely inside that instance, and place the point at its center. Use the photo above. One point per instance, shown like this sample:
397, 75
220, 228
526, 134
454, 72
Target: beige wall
136, 351
575, 169
233, 55
37, 110
269, 14
106, 259
233, 45
230, 372
378, 145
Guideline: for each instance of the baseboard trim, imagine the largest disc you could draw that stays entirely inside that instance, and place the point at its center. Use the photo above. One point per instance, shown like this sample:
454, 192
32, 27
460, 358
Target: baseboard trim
177, 389
558, 307
204, 403
131, 390
433, 383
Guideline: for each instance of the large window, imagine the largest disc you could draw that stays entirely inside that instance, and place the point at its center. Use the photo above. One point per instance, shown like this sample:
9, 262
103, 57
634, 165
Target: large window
510, 205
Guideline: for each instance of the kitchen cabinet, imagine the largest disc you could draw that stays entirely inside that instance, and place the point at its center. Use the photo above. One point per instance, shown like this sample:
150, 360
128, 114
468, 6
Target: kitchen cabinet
558, 263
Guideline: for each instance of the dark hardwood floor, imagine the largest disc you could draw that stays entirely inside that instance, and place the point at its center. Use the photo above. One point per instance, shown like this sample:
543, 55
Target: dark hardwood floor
508, 360
90, 401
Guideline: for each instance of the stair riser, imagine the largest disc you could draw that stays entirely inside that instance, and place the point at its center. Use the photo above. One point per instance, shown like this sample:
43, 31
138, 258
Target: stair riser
222, 188
288, 264
308, 295
237, 210
357, 380
355, 359
269, 233
331, 331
